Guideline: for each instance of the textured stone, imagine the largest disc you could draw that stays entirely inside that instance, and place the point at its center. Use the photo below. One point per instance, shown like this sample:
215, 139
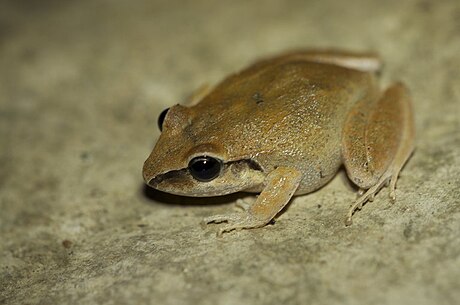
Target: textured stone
81, 86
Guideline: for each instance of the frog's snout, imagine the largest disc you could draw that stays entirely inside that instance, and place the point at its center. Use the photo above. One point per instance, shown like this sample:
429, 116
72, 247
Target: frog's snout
147, 174
152, 181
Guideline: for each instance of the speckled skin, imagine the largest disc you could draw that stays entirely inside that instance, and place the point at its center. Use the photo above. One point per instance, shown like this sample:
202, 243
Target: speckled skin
288, 112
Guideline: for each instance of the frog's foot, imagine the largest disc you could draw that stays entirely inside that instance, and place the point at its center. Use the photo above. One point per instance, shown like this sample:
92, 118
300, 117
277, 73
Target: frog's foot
376, 148
280, 185
388, 179
367, 196
236, 221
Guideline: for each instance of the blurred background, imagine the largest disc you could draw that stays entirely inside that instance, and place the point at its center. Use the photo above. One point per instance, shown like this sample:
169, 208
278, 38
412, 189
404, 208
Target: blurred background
81, 86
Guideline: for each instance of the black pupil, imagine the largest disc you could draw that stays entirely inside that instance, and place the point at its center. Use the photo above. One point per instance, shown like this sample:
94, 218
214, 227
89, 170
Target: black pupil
204, 168
161, 118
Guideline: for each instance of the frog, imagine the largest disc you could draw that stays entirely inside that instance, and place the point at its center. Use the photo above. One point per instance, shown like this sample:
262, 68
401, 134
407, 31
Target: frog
282, 127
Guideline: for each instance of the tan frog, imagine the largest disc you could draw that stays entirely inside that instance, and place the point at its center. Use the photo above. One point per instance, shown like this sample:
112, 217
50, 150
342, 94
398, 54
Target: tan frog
283, 127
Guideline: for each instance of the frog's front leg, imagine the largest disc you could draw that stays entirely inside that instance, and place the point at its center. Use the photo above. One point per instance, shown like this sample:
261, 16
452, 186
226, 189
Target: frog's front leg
378, 139
280, 185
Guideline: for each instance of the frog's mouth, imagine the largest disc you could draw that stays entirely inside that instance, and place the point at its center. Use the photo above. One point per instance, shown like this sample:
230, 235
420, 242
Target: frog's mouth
171, 176
232, 178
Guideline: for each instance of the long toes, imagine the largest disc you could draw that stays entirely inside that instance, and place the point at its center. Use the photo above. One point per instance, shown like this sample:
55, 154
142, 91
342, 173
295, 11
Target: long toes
228, 228
215, 219
235, 221
234, 217
243, 224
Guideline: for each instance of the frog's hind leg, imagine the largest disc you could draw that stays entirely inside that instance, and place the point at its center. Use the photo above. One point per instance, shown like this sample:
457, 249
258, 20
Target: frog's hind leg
378, 139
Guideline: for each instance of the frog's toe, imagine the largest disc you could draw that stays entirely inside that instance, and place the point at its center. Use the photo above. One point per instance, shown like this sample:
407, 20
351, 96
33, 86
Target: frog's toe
235, 221
247, 222
392, 195
229, 218
214, 219
392, 183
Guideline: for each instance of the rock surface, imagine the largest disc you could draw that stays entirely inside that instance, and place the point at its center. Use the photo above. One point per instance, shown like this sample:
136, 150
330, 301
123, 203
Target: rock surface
81, 85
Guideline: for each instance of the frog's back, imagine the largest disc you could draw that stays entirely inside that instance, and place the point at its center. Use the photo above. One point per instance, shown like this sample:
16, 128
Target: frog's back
288, 111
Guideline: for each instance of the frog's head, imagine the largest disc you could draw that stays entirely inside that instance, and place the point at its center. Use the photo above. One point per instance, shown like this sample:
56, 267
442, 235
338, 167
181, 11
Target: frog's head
185, 162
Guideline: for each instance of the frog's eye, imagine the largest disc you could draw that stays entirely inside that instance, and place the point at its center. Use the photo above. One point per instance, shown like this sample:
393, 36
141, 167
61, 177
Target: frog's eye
161, 118
204, 168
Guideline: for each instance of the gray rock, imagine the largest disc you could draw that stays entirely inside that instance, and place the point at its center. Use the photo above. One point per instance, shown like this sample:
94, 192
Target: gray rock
81, 85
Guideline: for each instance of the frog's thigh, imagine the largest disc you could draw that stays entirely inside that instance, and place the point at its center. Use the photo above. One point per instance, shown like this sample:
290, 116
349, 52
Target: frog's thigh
369, 62
378, 138
378, 135
280, 185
